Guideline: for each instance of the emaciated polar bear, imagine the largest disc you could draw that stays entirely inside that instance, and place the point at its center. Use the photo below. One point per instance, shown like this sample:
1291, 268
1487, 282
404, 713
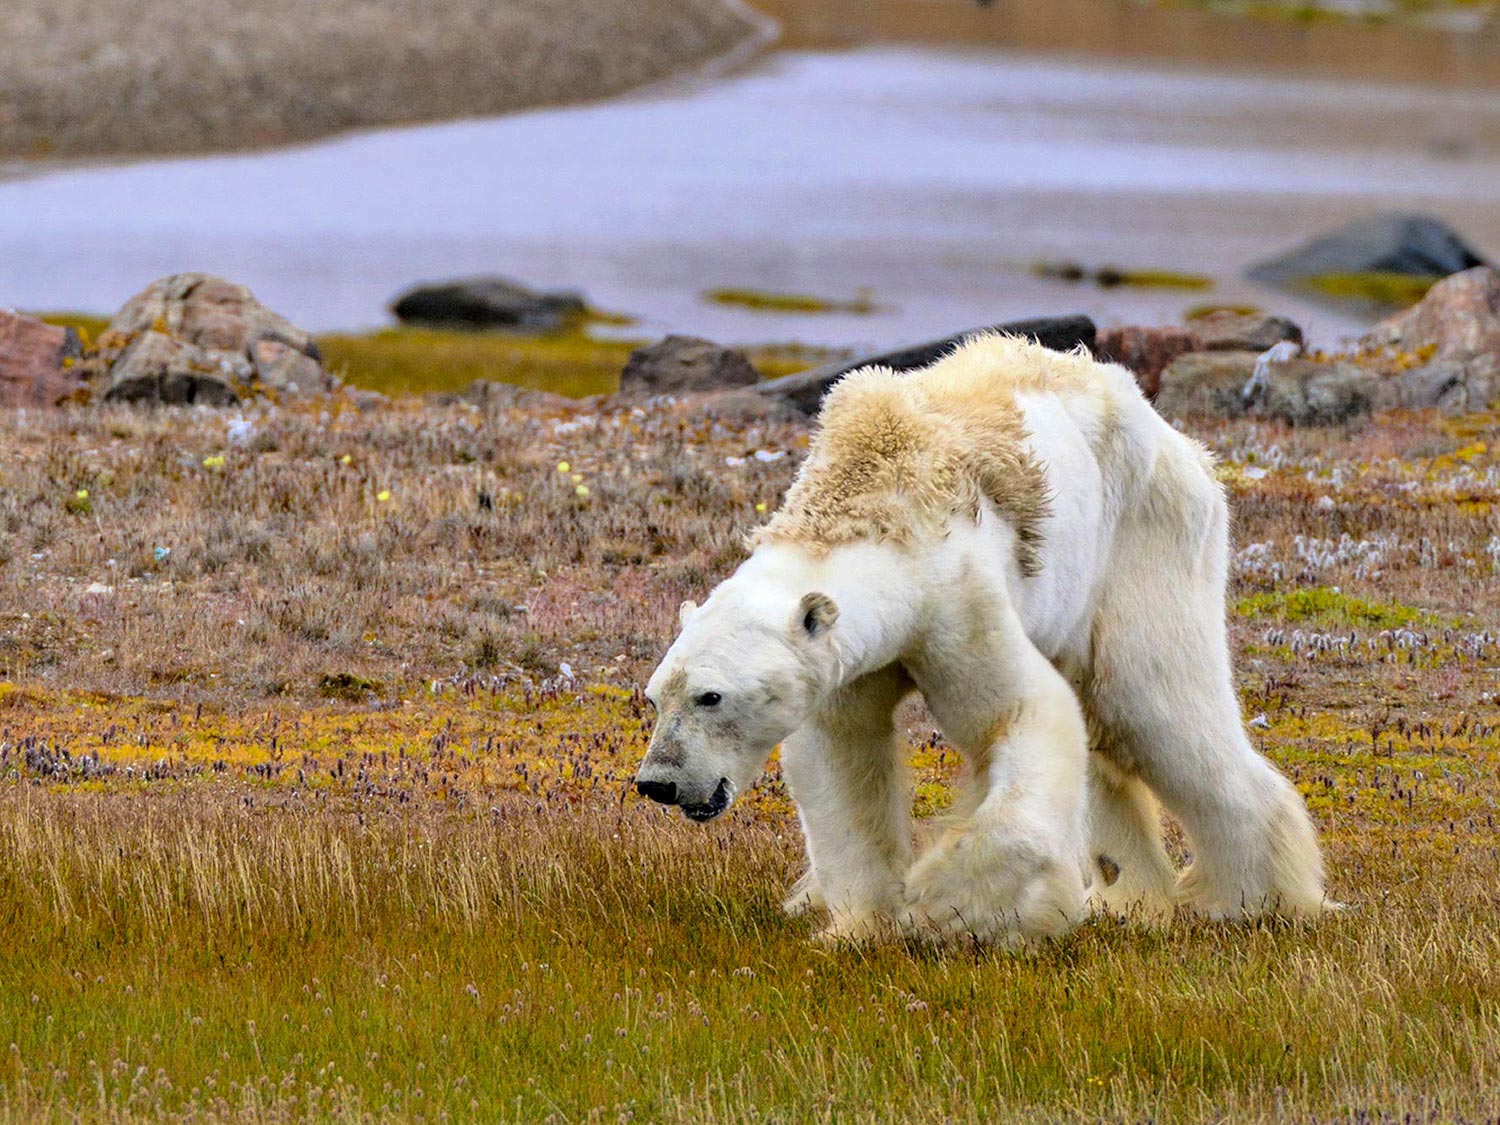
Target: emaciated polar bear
1016, 534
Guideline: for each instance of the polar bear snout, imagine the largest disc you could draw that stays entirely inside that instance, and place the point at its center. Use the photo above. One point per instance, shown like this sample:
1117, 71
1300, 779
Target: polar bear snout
662, 792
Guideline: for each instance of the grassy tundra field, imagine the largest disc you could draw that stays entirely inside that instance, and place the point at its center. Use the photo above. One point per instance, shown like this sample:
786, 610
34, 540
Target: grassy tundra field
315, 734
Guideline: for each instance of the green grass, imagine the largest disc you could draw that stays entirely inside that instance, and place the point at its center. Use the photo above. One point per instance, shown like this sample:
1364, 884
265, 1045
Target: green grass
1325, 606
410, 360
760, 300
1385, 290
1111, 277
199, 948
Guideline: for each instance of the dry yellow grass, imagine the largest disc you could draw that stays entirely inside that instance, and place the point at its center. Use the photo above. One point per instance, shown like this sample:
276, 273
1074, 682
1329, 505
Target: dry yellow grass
139, 76
369, 854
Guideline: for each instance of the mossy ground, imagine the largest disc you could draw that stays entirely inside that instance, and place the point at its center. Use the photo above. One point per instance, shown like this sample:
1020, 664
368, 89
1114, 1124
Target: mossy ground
305, 819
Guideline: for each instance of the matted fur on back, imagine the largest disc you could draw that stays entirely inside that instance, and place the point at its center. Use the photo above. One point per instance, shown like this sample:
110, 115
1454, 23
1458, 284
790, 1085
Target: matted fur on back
898, 456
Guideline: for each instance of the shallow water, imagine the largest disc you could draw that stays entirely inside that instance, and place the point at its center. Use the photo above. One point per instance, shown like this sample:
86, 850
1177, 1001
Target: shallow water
932, 178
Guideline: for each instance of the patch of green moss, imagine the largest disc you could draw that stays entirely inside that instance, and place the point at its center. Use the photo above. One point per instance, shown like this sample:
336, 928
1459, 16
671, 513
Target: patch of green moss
1376, 287
1198, 312
1112, 277
408, 361
1327, 606
759, 300
88, 326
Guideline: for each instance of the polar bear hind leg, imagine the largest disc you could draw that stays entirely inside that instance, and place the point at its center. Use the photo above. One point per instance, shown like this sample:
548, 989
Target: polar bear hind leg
1161, 687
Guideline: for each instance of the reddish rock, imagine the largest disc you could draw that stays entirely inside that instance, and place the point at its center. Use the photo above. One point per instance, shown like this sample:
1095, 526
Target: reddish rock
1146, 352
37, 362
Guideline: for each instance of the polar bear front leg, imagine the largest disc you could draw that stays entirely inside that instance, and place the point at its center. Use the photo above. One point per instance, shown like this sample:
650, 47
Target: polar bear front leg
847, 775
1010, 866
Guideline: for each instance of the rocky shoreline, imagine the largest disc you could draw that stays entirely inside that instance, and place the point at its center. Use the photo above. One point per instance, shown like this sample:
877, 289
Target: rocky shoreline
152, 77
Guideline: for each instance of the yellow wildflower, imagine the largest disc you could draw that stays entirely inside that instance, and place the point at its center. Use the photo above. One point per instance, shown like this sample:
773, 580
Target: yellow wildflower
383, 495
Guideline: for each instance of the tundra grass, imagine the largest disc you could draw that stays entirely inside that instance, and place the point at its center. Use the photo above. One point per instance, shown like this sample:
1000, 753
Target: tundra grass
761, 300
315, 748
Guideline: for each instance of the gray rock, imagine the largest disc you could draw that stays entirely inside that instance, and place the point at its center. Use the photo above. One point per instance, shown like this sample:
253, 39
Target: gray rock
489, 393
1300, 392
164, 370
685, 365
805, 389
1416, 245
38, 362
487, 302
1455, 331
182, 333
1226, 331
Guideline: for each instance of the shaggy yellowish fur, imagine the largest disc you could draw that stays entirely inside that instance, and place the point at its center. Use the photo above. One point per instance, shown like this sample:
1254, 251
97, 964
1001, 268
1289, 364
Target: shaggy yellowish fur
897, 456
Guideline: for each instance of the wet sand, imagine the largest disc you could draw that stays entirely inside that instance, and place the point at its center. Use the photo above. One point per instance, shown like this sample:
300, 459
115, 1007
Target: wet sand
933, 178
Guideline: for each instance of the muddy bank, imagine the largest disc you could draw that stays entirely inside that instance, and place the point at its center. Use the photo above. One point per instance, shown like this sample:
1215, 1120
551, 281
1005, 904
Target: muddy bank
1280, 40
160, 76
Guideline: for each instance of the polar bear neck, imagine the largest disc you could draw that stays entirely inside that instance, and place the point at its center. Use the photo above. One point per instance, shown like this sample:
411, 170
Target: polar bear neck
870, 584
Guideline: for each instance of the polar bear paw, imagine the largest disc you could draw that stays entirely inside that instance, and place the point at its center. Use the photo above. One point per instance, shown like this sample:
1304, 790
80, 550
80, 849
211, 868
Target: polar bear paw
805, 897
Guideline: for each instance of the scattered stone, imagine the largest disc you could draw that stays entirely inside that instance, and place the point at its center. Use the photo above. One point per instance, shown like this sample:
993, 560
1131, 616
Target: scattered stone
38, 362
192, 338
1455, 332
1226, 331
488, 302
685, 365
1145, 351
1300, 391
805, 389
1415, 245
488, 393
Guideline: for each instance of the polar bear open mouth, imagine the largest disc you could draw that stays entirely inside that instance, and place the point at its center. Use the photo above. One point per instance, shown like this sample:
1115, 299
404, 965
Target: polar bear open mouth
712, 807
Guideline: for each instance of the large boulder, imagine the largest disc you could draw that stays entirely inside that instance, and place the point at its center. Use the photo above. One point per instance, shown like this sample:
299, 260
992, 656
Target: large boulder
1145, 352
1298, 391
1454, 335
805, 389
488, 302
1415, 245
38, 362
684, 365
192, 338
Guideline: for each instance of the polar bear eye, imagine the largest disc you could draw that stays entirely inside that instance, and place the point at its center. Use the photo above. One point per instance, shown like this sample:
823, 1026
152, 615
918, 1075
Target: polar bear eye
708, 699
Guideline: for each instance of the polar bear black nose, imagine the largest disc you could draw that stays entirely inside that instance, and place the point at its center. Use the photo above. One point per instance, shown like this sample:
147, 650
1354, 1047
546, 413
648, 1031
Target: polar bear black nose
662, 792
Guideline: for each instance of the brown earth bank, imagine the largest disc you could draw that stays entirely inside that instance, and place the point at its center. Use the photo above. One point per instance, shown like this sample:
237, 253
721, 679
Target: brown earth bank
163, 76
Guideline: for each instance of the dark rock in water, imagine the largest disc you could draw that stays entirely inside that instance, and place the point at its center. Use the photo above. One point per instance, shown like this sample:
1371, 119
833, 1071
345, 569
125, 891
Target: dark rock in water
487, 302
192, 338
1145, 352
805, 389
1244, 332
1416, 245
685, 364
38, 362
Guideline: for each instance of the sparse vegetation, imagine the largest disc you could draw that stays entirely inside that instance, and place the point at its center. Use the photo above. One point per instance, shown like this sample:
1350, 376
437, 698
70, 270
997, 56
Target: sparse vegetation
1377, 290
230, 895
761, 300
1111, 277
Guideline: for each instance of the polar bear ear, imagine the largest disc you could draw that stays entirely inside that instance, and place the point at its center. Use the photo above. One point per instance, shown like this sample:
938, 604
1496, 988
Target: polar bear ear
816, 614
684, 611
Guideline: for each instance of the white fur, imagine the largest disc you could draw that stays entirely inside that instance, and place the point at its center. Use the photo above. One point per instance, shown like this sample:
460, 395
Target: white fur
1117, 645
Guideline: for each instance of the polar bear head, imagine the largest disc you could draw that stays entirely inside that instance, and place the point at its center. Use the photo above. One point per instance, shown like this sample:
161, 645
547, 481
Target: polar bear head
742, 675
